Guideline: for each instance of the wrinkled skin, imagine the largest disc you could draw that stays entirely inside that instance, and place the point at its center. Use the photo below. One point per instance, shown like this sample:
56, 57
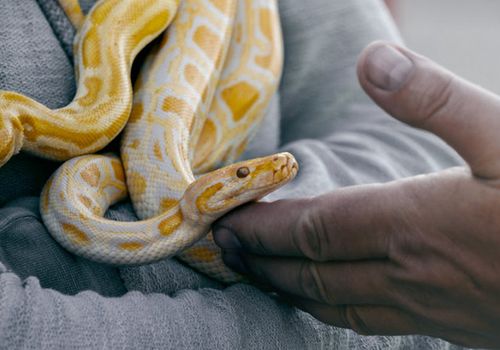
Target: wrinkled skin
415, 256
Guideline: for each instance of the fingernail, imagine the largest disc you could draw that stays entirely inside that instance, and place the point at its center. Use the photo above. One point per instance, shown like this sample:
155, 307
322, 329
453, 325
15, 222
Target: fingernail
234, 261
387, 68
225, 238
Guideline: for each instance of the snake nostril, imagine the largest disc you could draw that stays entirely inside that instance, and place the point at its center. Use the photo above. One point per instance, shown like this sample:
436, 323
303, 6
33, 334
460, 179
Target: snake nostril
243, 172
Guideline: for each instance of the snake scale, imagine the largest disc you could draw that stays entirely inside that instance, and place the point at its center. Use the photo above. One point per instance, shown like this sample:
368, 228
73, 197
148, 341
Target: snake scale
199, 97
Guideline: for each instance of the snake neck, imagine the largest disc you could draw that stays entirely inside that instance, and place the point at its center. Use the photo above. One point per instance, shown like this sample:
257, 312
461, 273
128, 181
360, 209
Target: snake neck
202, 204
75, 199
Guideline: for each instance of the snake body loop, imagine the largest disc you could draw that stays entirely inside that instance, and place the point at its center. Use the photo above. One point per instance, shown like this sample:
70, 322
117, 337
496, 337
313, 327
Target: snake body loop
110, 38
173, 94
250, 78
74, 214
73, 12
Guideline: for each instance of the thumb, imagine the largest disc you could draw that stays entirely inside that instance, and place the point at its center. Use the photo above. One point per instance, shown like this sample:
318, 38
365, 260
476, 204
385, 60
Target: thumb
419, 92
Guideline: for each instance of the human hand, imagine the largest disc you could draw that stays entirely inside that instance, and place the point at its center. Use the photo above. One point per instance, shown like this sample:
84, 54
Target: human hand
414, 256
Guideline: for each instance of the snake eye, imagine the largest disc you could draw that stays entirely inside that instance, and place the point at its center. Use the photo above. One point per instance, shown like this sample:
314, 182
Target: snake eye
243, 172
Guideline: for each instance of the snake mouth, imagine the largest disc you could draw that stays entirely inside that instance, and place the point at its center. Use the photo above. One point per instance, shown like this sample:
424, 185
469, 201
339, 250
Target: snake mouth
286, 171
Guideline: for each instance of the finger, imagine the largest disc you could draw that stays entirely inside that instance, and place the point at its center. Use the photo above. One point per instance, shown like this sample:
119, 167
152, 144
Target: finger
366, 282
382, 320
417, 91
348, 224
365, 320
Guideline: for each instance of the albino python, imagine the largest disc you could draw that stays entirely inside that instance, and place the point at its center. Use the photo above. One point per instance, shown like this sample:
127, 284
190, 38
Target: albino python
73, 12
199, 97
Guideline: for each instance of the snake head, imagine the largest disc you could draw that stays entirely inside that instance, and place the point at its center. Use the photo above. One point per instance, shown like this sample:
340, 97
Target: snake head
220, 191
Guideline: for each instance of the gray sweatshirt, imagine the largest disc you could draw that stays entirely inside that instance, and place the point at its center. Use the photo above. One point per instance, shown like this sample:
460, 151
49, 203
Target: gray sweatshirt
52, 299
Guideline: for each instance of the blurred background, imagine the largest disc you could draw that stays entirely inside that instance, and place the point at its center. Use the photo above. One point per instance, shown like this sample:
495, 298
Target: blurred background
463, 35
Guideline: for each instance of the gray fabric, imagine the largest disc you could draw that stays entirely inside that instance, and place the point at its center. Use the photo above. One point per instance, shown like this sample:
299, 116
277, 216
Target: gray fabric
86, 5
21, 229
62, 27
32, 62
23, 175
339, 137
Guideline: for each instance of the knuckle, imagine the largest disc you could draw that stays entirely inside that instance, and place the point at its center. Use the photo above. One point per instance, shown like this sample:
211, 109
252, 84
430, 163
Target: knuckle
410, 238
311, 283
351, 316
435, 99
310, 236
258, 244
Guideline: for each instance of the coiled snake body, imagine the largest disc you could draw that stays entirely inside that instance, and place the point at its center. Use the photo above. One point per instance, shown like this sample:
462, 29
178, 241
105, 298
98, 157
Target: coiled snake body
198, 99
105, 50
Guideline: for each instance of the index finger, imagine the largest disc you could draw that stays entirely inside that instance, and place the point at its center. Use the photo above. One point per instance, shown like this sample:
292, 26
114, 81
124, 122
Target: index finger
347, 224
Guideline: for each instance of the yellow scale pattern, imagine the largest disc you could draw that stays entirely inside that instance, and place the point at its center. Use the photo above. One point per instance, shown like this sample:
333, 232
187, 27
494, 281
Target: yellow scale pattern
244, 90
73, 12
104, 51
199, 97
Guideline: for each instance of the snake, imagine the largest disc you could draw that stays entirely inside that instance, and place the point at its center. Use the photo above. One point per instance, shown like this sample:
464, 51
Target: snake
73, 11
199, 98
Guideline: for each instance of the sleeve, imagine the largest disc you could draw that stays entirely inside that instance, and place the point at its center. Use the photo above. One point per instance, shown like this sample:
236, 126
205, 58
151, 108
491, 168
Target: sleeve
337, 134
239, 317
